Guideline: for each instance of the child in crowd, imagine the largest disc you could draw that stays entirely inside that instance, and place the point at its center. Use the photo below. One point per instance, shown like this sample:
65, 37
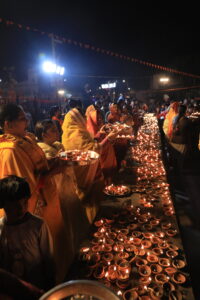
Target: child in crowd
25, 241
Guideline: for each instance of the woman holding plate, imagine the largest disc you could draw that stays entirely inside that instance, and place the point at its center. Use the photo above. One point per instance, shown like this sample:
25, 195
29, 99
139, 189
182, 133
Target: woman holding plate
20, 155
107, 158
76, 137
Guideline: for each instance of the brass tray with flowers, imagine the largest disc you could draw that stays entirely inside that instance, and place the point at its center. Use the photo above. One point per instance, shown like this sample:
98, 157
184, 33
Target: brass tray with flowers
117, 190
78, 157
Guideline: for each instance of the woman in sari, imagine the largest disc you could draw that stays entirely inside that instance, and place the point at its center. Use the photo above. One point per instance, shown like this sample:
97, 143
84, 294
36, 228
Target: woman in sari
89, 178
71, 207
168, 122
20, 155
121, 145
107, 158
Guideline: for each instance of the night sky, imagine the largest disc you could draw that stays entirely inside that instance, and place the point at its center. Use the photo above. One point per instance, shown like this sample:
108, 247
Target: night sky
164, 35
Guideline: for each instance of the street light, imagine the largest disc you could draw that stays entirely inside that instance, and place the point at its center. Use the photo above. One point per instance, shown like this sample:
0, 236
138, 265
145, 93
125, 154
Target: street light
164, 79
51, 67
61, 92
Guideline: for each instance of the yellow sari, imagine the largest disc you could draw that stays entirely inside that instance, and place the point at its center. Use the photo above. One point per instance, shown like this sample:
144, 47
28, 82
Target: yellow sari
89, 178
23, 157
168, 122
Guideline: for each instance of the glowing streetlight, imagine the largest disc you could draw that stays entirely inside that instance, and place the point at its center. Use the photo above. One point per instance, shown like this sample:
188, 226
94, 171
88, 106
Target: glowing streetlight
164, 79
123, 80
61, 92
51, 67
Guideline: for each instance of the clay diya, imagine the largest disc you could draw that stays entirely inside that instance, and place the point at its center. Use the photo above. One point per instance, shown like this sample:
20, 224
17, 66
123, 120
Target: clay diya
146, 244
161, 278
171, 253
147, 227
170, 271
179, 278
96, 248
157, 251
132, 226
141, 289
140, 262
164, 262
124, 231
98, 234
107, 257
144, 270
109, 241
99, 223
84, 250
111, 235
118, 247
121, 237
156, 291
140, 251
171, 232
122, 284
136, 234
109, 221
163, 245
156, 269
122, 255
160, 234
166, 225
154, 222
169, 212
130, 294
168, 287
148, 235
102, 229
155, 240
142, 220
173, 247
145, 280
178, 263
152, 258
106, 248
136, 241
112, 273
130, 248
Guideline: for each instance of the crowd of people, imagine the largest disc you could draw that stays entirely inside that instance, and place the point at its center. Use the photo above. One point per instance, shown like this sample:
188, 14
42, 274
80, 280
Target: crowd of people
46, 205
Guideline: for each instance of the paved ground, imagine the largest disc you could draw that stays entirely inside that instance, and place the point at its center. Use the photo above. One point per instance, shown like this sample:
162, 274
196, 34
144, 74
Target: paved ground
185, 188
186, 193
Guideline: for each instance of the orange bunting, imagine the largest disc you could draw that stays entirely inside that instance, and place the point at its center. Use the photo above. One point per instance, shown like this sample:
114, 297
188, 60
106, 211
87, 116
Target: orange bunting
103, 51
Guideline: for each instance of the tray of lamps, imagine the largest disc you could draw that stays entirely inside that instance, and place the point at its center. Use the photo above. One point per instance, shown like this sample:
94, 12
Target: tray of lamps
124, 131
117, 190
78, 157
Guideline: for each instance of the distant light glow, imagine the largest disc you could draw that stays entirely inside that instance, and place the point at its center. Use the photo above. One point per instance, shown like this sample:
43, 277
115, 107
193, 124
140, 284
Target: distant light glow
50, 67
164, 79
123, 80
108, 85
61, 92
